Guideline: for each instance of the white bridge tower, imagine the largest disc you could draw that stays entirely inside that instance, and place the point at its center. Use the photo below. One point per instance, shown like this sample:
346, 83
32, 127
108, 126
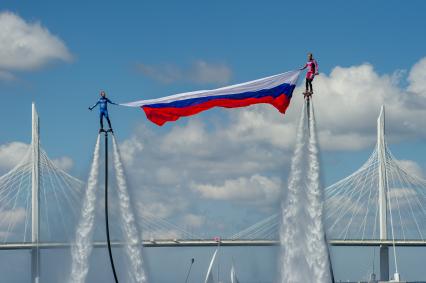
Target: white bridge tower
35, 210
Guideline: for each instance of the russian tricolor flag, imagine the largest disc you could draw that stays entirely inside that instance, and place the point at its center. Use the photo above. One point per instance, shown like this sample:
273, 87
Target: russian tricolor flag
275, 90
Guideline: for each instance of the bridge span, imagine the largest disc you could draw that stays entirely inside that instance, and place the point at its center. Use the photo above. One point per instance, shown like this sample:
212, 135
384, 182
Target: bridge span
180, 243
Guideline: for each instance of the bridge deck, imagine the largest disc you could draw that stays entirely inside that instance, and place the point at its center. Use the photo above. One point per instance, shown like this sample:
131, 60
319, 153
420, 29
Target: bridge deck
210, 243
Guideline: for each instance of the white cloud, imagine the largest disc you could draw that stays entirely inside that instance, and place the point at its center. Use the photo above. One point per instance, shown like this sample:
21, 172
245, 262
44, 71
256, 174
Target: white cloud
161, 234
27, 46
160, 172
11, 224
348, 141
256, 188
11, 154
12, 216
129, 148
65, 163
185, 139
204, 72
261, 125
164, 73
164, 207
167, 176
347, 103
411, 167
417, 78
243, 154
406, 197
199, 71
194, 220
6, 76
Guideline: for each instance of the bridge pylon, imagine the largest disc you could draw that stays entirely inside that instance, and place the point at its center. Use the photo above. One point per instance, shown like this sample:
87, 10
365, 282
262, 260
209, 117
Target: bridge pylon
35, 210
383, 190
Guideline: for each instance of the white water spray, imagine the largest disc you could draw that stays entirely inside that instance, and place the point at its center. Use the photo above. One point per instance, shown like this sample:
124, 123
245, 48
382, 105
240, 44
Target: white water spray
133, 241
82, 249
304, 254
317, 245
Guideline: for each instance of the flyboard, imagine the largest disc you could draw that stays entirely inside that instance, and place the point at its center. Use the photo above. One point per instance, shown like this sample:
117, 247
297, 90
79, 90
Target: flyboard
106, 131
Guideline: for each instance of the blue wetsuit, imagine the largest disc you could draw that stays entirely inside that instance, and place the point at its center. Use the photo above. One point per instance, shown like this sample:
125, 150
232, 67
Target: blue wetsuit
103, 110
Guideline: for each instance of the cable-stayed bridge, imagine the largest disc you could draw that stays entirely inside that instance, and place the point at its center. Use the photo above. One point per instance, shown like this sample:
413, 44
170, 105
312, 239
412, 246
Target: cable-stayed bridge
380, 204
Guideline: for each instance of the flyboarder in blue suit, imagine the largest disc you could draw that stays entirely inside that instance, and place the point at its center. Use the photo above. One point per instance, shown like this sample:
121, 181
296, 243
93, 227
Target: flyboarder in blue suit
103, 110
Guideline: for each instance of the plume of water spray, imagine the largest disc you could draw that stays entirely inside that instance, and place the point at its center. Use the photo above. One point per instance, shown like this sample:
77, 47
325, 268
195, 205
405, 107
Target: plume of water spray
82, 249
133, 242
291, 234
304, 252
316, 245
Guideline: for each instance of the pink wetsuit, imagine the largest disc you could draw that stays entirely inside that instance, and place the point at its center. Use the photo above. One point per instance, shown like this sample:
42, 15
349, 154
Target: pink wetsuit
312, 66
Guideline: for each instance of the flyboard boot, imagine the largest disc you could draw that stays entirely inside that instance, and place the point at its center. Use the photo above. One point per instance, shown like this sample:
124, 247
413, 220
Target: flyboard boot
307, 94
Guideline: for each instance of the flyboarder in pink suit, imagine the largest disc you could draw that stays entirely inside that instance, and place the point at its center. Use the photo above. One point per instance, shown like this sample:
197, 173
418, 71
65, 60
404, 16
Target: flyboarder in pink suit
312, 67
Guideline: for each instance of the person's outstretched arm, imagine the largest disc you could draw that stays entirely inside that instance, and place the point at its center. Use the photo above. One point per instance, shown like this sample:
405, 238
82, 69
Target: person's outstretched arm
97, 102
304, 67
110, 102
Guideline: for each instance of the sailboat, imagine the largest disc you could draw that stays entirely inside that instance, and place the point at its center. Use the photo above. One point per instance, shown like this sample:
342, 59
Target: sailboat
234, 278
209, 275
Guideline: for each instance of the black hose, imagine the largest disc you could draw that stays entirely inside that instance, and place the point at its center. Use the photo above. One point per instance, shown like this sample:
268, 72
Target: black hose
189, 271
106, 209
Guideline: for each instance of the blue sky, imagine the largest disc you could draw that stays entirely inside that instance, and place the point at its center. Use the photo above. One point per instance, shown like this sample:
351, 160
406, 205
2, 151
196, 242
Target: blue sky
107, 41
144, 49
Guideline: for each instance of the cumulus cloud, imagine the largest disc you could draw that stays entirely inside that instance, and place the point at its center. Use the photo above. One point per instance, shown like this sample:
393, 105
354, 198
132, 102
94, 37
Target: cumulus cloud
165, 206
256, 188
162, 234
27, 45
6, 76
11, 223
243, 155
194, 220
171, 166
167, 176
260, 125
406, 197
411, 167
199, 71
12, 216
11, 154
347, 103
188, 139
417, 78
65, 163
129, 148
